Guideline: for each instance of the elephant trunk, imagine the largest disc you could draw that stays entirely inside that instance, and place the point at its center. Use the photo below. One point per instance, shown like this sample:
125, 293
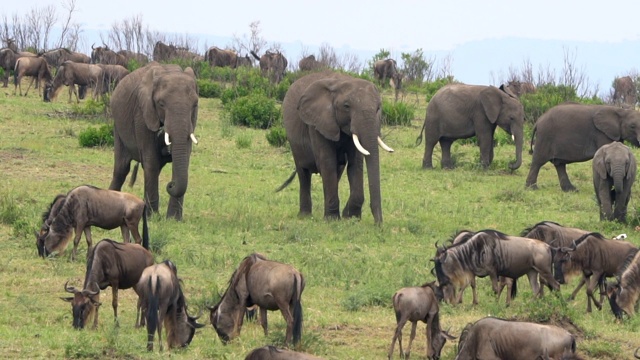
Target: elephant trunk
370, 143
618, 177
518, 136
180, 154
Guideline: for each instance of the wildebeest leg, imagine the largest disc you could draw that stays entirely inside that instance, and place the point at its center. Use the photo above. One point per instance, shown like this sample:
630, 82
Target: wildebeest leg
95, 313
397, 335
87, 236
114, 302
473, 290
76, 240
263, 320
414, 324
583, 280
285, 309
125, 233
565, 183
533, 280
592, 282
28, 87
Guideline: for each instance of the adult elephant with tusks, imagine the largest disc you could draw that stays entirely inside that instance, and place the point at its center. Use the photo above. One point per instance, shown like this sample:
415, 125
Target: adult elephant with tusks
460, 111
332, 122
569, 133
155, 110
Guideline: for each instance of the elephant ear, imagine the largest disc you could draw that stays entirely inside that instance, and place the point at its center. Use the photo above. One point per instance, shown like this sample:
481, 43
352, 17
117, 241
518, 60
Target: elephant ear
145, 98
608, 121
491, 103
316, 108
632, 167
507, 89
599, 166
189, 71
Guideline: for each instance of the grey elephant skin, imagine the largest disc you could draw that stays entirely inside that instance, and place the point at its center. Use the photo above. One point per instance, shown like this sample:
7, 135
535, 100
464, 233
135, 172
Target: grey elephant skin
322, 113
569, 133
460, 111
153, 107
614, 172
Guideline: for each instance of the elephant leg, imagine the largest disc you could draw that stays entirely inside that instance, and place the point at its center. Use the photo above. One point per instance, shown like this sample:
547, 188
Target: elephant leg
304, 178
445, 145
605, 196
151, 173
353, 208
485, 142
327, 162
121, 164
429, 143
565, 184
620, 207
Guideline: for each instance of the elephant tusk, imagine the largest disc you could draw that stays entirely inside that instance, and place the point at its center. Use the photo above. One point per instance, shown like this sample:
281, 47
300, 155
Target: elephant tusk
166, 139
383, 145
193, 138
359, 146
513, 137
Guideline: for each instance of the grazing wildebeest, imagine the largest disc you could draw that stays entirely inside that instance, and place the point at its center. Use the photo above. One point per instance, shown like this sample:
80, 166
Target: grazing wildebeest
493, 338
71, 74
453, 294
87, 206
519, 88
273, 353
270, 285
110, 263
309, 63
57, 57
492, 253
221, 58
8, 58
598, 258
624, 294
160, 290
129, 55
557, 236
163, 52
35, 67
112, 76
104, 55
273, 65
419, 303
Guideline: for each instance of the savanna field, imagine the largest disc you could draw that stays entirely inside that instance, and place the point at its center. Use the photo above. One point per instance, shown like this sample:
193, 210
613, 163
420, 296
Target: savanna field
352, 268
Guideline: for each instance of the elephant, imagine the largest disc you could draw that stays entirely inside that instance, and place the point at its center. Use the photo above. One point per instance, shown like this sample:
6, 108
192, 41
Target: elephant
155, 110
571, 132
333, 121
272, 64
624, 91
614, 171
309, 63
459, 111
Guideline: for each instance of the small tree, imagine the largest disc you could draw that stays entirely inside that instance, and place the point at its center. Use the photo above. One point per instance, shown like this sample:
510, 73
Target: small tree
416, 67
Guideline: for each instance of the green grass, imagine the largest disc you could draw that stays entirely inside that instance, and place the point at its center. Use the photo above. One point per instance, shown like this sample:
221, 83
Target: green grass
351, 268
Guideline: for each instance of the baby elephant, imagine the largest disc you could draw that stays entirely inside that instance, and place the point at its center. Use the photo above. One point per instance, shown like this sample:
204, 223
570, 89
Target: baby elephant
614, 171
419, 303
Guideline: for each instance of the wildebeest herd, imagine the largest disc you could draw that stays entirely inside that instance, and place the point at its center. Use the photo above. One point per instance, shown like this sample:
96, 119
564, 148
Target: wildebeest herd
333, 124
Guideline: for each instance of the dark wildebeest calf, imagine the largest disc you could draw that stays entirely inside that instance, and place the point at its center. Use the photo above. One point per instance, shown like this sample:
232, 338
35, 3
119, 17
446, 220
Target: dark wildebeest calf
159, 288
493, 338
270, 285
112, 264
624, 294
419, 303
273, 353
492, 253
87, 206
597, 257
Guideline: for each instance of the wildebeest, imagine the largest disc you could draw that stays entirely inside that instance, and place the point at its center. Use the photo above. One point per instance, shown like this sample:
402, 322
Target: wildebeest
8, 59
163, 53
557, 236
419, 303
388, 69
273, 65
129, 55
160, 289
624, 90
597, 257
71, 74
453, 292
493, 338
35, 67
110, 263
87, 206
270, 285
104, 55
624, 294
112, 76
221, 58
492, 253
57, 57
273, 353
309, 63
519, 88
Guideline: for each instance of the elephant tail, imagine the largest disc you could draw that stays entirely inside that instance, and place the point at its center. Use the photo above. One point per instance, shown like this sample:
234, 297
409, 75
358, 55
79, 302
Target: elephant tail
533, 136
287, 182
255, 55
419, 138
134, 175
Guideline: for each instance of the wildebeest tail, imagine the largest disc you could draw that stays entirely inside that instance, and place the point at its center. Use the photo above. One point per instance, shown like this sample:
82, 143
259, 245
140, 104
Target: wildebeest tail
152, 311
287, 182
15, 73
145, 228
134, 174
297, 308
514, 289
419, 138
255, 55
533, 135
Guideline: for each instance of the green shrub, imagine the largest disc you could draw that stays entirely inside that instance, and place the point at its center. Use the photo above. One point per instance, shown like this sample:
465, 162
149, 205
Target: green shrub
209, 89
255, 111
102, 136
223, 74
431, 88
277, 136
89, 107
399, 113
133, 65
547, 96
281, 89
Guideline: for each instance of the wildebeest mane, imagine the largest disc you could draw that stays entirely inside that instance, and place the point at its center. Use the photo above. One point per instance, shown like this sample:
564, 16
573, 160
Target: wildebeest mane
241, 271
626, 263
495, 233
538, 233
463, 239
582, 238
45, 215
435, 288
105, 260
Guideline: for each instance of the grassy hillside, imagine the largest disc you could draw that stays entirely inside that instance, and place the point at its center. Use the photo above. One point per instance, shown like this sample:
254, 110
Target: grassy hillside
352, 268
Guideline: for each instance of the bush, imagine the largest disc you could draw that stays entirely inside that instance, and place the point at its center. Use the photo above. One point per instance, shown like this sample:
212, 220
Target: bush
547, 96
255, 111
277, 136
89, 107
431, 88
92, 137
243, 141
209, 89
397, 114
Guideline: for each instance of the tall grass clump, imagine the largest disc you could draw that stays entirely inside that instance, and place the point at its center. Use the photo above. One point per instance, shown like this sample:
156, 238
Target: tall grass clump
399, 113
209, 89
93, 137
255, 111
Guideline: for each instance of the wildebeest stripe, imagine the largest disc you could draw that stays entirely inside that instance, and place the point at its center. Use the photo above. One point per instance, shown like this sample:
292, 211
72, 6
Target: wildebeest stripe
46, 214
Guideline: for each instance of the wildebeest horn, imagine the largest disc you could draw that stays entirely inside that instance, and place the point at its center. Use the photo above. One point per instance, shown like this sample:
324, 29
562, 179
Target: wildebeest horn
89, 292
637, 353
69, 289
436, 244
93, 46
359, 146
383, 145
